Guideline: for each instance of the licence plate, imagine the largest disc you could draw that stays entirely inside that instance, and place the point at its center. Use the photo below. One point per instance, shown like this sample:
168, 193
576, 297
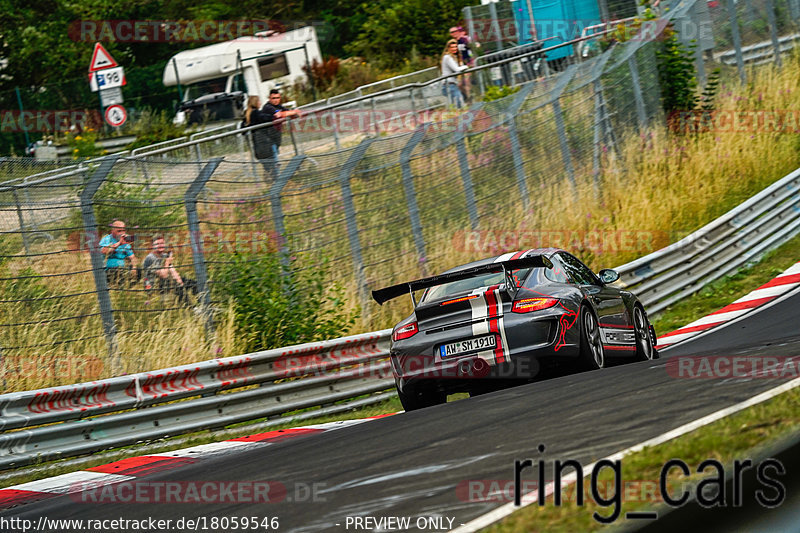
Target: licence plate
469, 345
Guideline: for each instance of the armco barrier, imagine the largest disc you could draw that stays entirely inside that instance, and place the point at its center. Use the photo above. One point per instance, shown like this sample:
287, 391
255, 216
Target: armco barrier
331, 371
205, 395
741, 235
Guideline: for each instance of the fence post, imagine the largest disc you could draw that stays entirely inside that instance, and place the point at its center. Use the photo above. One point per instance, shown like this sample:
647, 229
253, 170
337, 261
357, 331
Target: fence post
21, 223
350, 216
773, 31
637, 89
277, 209
196, 239
737, 40
411, 194
95, 255
516, 149
561, 85
464, 122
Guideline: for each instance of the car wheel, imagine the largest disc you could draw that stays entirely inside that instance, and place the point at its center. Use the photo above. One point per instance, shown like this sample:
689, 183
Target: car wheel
645, 351
592, 351
414, 398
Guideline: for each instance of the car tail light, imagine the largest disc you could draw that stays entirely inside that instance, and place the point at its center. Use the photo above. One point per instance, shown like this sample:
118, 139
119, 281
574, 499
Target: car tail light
526, 305
404, 332
464, 299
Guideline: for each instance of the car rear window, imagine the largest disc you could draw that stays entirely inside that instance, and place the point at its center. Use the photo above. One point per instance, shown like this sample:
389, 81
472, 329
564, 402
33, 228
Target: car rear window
470, 284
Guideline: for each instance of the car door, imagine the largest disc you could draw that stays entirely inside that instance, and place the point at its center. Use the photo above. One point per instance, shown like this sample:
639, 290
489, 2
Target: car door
607, 300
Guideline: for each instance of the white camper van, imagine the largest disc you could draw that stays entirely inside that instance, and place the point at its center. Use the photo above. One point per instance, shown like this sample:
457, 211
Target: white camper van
217, 79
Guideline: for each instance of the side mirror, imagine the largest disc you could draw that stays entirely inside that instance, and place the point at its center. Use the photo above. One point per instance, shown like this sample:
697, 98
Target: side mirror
608, 275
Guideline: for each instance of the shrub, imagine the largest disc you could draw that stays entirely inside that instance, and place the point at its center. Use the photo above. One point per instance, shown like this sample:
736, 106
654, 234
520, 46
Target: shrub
275, 307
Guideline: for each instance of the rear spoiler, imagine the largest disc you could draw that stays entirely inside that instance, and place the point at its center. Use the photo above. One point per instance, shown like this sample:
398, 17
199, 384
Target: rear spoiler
384, 295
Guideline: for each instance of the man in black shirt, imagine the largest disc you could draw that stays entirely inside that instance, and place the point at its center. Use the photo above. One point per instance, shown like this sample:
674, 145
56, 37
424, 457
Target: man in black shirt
274, 112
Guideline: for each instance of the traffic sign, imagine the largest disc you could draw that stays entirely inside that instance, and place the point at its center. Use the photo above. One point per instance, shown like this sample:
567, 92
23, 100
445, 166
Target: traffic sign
101, 59
116, 115
109, 97
106, 79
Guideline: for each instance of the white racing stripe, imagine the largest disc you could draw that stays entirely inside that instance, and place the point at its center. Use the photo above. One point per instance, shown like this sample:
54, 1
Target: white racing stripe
70, 483
532, 497
721, 317
209, 449
769, 292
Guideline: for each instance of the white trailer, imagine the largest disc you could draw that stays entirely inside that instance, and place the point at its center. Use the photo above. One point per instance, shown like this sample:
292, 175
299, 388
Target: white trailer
217, 79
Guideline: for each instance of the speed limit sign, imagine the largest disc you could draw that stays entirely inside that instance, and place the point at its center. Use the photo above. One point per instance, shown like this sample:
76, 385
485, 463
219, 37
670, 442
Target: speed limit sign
116, 115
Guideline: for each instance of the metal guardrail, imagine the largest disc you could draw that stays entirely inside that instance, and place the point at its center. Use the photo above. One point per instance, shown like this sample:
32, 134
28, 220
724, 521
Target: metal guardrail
760, 52
89, 417
214, 394
742, 235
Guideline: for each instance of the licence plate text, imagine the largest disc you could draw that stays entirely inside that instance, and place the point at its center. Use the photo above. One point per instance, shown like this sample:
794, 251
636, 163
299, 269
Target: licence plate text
469, 345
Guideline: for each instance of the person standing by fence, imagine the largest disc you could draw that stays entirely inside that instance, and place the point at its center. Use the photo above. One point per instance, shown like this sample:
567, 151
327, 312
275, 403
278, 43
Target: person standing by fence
451, 64
465, 54
261, 137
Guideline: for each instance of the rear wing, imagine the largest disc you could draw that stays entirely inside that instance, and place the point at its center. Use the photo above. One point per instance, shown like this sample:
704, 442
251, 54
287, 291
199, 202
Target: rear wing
384, 295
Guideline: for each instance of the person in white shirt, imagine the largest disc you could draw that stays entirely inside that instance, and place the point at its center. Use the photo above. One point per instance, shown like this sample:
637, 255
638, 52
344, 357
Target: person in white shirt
451, 64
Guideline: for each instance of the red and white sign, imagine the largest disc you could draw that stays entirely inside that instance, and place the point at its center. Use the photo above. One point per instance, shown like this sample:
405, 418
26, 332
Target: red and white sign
116, 115
101, 59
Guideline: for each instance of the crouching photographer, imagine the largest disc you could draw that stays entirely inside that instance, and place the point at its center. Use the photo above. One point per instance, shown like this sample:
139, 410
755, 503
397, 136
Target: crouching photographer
160, 273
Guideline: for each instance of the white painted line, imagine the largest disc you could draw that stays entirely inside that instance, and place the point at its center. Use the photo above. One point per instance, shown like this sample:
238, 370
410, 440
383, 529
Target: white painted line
532, 497
71, 482
209, 449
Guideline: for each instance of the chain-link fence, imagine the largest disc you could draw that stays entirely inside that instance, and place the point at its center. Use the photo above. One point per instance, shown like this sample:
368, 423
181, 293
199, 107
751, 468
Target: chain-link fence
377, 207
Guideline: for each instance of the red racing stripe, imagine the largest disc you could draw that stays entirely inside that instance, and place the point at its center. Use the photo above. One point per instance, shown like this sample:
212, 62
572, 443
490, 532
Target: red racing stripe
141, 466
701, 327
280, 434
620, 348
749, 304
12, 497
491, 313
782, 280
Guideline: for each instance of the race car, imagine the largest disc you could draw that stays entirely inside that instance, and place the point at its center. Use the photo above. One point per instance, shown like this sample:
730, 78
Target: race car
505, 316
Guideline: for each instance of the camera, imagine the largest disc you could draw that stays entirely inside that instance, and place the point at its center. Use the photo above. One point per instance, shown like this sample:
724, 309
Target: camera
128, 238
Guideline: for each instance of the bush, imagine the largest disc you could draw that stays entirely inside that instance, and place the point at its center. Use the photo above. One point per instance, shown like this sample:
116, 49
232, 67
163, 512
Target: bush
275, 307
153, 127
496, 92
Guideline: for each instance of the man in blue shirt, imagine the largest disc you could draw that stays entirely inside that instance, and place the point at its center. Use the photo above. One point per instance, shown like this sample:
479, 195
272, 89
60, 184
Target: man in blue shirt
116, 246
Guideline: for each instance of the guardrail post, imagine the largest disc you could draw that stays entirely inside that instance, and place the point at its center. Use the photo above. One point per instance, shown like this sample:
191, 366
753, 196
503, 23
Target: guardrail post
95, 255
637, 88
737, 40
196, 238
773, 31
350, 216
411, 194
516, 149
277, 209
464, 122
